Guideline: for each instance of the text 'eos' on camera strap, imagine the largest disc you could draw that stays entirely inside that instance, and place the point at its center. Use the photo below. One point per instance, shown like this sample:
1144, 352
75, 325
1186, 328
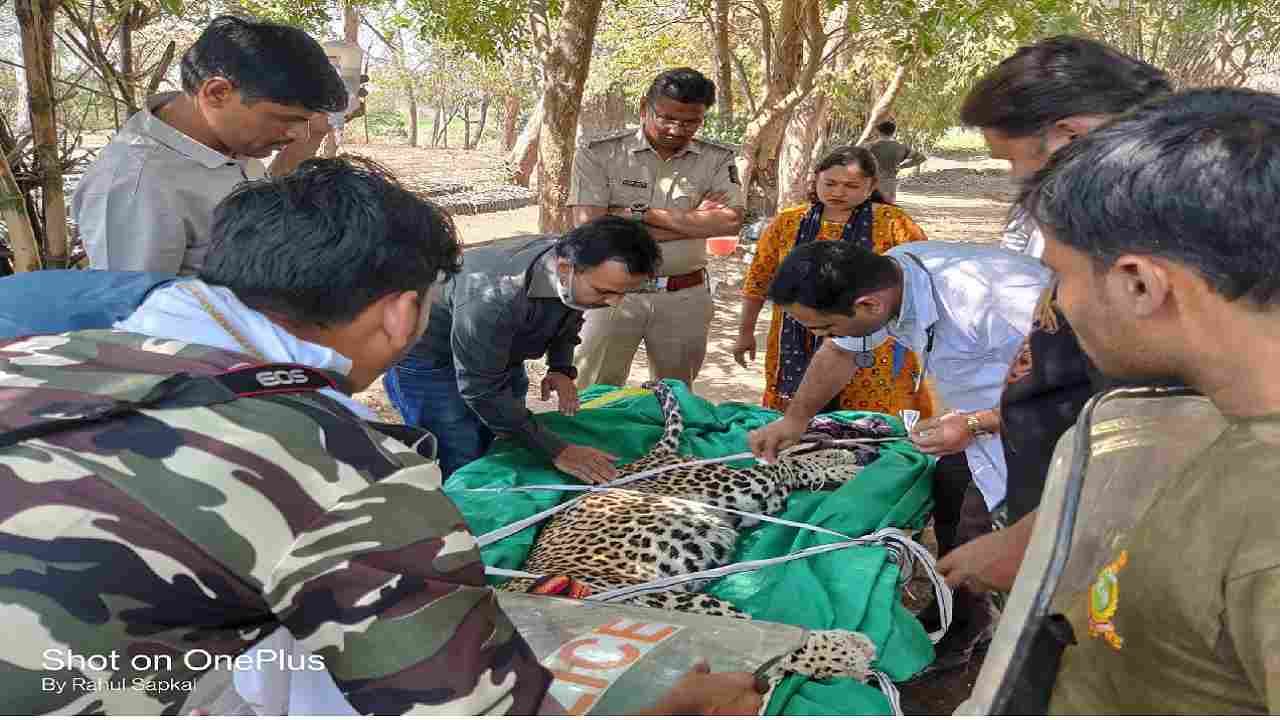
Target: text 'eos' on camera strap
185, 390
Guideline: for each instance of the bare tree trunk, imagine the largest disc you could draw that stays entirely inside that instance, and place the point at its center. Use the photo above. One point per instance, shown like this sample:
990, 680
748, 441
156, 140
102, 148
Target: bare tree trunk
350, 33
484, 119
22, 239
126, 58
466, 125
510, 116
884, 104
724, 62
413, 117
350, 22
566, 67
798, 144
162, 68
524, 156
36, 18
435, 128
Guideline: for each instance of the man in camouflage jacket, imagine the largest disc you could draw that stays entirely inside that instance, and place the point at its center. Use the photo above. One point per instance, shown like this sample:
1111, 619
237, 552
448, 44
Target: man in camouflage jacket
142, 550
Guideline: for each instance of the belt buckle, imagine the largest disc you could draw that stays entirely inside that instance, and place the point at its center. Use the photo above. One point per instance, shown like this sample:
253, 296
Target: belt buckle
660, 283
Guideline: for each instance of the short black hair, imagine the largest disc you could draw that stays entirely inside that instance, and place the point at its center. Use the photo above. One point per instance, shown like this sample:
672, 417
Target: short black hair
849, 155
888, 127
323, 243
1058, 78
264, 61
611, 238
683, 85
830, 276
1192, 178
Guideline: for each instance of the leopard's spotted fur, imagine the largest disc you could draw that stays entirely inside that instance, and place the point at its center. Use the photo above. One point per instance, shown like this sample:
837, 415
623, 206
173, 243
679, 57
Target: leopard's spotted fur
650, 530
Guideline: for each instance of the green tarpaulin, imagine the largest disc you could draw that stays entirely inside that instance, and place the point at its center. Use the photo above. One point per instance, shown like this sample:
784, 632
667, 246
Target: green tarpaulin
855, 588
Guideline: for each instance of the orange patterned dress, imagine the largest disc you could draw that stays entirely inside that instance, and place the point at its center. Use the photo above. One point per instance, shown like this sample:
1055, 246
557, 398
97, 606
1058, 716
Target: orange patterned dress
873, 389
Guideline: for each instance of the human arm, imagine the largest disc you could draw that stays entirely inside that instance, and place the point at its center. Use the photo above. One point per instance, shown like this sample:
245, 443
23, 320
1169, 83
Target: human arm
387, 586
829, 371
560, 370
702, 692
914, 158
719, 210
293, 154
755, 285
953, 432
481, 340
1251, 602
990, 562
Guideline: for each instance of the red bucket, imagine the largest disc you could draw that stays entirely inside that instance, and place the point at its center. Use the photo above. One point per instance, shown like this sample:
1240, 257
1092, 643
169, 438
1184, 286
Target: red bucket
723, 245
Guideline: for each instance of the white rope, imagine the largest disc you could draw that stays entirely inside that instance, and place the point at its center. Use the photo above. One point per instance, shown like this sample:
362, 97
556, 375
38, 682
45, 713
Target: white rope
890, 691
504, 532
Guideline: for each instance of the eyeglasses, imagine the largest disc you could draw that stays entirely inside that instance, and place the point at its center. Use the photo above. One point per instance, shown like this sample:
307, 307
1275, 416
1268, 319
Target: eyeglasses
671, 122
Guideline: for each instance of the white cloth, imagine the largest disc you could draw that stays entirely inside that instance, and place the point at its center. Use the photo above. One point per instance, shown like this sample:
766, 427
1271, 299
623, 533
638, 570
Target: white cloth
174, 313
985, 302
1022, 235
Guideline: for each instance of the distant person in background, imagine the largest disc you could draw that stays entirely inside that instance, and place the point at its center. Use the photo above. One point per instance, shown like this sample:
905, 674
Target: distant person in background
249, 89
892, 156
845, 206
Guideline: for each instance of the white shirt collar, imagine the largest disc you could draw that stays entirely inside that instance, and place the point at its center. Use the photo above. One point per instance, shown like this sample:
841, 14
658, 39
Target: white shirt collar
174, 313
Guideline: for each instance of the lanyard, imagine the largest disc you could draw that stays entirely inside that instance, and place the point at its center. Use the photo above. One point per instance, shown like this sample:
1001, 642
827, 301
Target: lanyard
929, 331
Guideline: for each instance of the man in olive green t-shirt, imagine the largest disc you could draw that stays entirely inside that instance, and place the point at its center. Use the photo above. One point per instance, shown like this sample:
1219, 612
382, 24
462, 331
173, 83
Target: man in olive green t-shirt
1172, 277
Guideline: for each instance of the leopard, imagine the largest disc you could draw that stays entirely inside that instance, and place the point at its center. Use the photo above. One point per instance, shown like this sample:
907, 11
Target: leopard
674, 522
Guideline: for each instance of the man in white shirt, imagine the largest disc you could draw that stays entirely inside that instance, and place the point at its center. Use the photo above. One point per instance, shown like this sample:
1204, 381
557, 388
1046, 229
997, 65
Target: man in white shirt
249, 89
964, 309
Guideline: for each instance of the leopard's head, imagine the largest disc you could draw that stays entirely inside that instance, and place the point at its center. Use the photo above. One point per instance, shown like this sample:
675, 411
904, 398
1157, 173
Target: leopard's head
814, 470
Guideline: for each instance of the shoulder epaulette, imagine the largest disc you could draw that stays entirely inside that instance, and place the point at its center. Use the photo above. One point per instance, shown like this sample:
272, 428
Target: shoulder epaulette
609, 138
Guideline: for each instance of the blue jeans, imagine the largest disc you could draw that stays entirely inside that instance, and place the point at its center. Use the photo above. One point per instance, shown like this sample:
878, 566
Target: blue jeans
428, 397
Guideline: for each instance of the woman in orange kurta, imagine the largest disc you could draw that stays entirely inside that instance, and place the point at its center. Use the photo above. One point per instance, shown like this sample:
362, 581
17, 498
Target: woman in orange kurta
844, 207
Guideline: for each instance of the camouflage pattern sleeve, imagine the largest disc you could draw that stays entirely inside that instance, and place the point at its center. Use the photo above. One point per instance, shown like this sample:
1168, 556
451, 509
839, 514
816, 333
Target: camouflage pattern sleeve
137, 554
388, 587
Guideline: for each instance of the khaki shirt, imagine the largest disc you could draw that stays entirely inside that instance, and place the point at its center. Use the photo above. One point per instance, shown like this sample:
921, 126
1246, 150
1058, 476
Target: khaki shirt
1184, 619
621, 170
146, 202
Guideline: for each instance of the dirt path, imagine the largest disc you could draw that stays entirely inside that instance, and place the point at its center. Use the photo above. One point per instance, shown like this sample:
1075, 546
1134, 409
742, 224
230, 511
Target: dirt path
953, 200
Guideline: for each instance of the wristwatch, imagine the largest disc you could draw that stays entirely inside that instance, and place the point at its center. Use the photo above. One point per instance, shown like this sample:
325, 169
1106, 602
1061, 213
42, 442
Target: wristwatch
638, 210
972, 422
568, 371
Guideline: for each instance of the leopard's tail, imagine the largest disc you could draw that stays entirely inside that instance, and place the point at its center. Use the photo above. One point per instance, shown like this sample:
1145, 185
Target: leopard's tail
672, 417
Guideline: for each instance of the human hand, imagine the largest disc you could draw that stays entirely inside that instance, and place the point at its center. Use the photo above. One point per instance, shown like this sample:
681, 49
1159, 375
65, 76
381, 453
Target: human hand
586, 464
944, 435
778, 435
702, 692
714, 201
987, 563
564, 388
745, 345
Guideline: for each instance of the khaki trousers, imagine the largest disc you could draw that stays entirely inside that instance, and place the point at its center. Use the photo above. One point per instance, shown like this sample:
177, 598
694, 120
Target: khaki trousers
673, 326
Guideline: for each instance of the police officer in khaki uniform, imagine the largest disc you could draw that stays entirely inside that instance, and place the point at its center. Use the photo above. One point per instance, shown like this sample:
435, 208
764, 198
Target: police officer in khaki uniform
685, 190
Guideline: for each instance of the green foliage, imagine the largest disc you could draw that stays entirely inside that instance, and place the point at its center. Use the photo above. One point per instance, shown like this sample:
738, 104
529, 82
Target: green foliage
718, 129
487, 28
389, 124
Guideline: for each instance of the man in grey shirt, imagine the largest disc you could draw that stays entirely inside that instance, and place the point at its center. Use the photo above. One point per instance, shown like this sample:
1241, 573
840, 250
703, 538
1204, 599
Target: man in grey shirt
891, 156
249, 89
516, 300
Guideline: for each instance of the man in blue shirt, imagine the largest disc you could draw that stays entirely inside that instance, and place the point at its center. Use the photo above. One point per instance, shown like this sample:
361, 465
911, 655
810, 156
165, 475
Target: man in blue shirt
58, 301
964, 309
